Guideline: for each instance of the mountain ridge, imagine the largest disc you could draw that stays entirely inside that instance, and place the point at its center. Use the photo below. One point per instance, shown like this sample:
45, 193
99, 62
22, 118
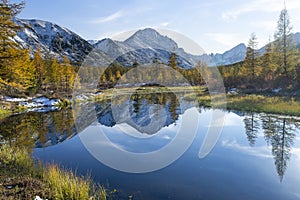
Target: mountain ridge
51, 38
144, 46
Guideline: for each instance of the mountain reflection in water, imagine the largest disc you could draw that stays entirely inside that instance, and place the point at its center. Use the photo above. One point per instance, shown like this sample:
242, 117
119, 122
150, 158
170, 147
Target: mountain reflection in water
41, 130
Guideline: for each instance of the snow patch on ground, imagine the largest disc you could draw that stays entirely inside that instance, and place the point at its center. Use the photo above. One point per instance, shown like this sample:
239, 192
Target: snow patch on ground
40, 102
12, 99
33, 103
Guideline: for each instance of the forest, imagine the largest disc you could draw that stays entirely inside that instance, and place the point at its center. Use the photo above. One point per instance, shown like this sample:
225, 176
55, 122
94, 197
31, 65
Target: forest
25, 74
277, 67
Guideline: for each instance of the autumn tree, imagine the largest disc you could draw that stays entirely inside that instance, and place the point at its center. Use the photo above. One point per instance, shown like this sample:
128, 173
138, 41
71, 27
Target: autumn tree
24, 73
38, 62
9, 49
68, 75
173, 62
8, 30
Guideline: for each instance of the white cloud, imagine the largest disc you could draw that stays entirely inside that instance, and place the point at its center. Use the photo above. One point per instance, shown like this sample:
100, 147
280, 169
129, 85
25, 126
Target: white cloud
232, 119
296, 152
260, 151
166, 137
252, 6
267, 25
109, 18
164, 24
292, 5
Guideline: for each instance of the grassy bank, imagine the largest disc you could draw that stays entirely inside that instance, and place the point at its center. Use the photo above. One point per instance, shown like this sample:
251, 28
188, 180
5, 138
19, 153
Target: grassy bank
22, 178
258, 103
108, 93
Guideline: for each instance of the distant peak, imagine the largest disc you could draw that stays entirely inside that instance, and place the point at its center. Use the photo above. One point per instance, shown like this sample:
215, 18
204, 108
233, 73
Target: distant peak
149, 37
147, 32
106, 40
240, 45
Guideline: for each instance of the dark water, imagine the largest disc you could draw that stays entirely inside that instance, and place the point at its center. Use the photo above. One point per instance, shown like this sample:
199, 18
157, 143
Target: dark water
257, 156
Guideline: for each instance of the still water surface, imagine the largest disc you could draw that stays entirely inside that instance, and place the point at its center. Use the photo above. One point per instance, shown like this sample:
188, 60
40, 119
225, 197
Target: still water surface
256, 157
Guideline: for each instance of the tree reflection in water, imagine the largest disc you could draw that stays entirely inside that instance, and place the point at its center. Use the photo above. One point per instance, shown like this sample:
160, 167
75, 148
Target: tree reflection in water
252, 127
45, 129
37, 129
279, 132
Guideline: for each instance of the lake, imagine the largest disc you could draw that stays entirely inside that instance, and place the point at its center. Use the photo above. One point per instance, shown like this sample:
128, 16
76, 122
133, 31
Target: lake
164, 146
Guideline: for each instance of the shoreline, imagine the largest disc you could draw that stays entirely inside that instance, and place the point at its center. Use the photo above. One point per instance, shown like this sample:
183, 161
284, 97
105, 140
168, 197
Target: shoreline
272, 103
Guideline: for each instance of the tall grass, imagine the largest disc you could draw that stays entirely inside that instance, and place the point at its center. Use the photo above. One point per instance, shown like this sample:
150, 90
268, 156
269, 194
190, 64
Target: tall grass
17, 158
65, 184
260, 103
61, 184
257, 103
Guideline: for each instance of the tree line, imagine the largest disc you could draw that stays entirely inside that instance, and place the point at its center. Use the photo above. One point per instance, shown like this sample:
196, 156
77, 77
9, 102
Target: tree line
25, 74
22, 74
277, 67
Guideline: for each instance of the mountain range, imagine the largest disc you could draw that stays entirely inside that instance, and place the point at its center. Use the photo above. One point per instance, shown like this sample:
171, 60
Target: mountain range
143, 47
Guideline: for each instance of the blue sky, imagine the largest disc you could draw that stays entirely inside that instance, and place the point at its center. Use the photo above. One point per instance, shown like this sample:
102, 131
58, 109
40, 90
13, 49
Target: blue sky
216, 25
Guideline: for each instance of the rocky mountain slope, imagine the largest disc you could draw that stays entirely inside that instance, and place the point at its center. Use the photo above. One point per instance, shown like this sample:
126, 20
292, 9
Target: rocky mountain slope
144, 46
53, 39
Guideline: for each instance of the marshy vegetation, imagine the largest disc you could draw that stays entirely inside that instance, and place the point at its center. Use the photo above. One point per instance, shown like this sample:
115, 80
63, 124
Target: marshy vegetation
256, 103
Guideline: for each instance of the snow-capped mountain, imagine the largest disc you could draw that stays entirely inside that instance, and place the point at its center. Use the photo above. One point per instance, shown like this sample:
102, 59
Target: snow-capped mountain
53, 39
113, 48
144, 46
234, 55
92, 42
150, 38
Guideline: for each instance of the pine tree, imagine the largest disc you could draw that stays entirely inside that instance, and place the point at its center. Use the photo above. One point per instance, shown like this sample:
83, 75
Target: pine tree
251, 65
285, 48
268, 66
252, 128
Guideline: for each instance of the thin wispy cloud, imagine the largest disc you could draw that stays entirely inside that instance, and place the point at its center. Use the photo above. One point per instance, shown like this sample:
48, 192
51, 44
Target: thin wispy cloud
252, 6
164, 24
267, 25
227, 39
258, 151
109, 18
